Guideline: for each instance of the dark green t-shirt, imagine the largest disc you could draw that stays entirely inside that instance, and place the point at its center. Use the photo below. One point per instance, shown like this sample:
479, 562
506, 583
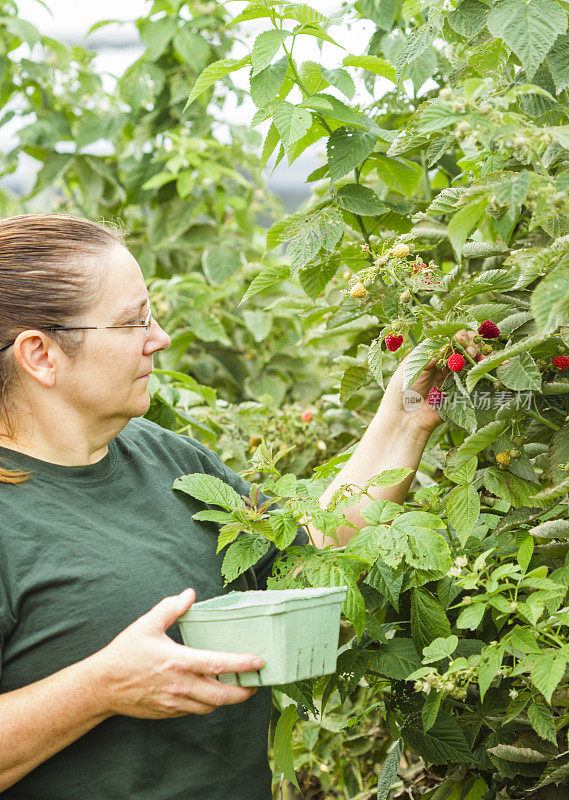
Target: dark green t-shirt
85, 551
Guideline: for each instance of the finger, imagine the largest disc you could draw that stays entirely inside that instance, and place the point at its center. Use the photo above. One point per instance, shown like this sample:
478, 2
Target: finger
214, 693
211, 662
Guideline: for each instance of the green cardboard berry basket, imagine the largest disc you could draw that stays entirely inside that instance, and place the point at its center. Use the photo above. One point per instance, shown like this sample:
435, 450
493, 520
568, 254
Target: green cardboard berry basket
295, 631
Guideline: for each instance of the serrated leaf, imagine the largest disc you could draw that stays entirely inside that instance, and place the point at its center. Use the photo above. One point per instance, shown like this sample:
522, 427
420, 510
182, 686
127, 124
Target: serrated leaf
352, 380
418, 359
550, 300
471, 616
388, 774
387, 581
243, 554
347, 148
558, 62
282, 744
520, 373
213, 72
442, 647
430, 709
375, 361
552, 529
443, 743
360, 199
209, 489
291, 122
266, 84
464, 222
415, 45
265, 48
547, 672
478, 441
519, 755
395, 659
428, 619
542, 721
483, 367
529, 29
341, 79
271, 276
463, 509
373, 64
398, 174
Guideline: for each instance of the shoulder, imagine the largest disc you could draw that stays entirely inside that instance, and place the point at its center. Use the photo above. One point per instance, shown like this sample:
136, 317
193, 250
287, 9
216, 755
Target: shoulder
142, 432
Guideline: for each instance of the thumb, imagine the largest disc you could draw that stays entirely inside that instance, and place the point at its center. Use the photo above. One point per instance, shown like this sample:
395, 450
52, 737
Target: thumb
166, 612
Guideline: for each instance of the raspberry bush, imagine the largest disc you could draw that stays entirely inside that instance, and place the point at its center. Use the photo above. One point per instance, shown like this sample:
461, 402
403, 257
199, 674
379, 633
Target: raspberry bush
435, 210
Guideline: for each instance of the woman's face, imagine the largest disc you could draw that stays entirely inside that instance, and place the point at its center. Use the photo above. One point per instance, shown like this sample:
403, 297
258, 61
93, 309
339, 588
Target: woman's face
109, 378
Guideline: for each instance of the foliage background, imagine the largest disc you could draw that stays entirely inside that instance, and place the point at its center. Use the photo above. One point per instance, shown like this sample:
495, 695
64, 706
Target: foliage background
474, 180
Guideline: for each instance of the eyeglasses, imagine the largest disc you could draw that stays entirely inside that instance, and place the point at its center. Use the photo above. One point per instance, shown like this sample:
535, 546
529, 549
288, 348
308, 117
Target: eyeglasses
146, 324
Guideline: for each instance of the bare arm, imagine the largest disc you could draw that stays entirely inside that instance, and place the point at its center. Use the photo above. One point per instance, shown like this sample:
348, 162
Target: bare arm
42, 718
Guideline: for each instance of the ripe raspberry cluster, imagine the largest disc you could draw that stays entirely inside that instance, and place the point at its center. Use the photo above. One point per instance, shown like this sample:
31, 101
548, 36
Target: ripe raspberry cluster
561, 362
456, 362
392, 342
489, 329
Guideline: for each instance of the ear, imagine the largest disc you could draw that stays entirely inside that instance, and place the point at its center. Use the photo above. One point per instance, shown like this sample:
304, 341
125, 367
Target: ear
36, 353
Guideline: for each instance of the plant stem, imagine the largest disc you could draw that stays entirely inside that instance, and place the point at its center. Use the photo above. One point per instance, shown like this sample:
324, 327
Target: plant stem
537, 416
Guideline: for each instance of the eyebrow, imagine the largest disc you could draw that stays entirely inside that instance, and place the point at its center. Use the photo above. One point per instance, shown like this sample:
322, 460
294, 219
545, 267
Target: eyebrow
131, 308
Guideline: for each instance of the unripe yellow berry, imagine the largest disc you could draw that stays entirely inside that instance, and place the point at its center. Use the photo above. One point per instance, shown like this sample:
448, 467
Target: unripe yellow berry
503, 458
346, 274
358, 290
400, 250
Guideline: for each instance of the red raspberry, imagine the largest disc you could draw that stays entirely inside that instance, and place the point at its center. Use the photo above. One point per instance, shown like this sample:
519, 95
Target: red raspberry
456, 362
435, 397
561, 362
307, 416
392, 342
489, 329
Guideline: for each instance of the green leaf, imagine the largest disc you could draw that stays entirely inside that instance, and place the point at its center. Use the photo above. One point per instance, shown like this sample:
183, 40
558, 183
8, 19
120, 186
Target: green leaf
341, 80
442, 647
265, 48
395, 659
546, 673
191, 48
291, 122
483, 367
209, 489
521, 372
428, 619
529, 29
352, 380
471, 616
212, 516
488, 668
443, 743
266, 84
387, 581
373, 64
468, 18
464, 222
463, 474
463, 509
304, 14
514, 192
360, 200
558, 62
525, 552
430, 709
388, 774
542, 721
243, 554
415, 45
550, 300
400, 175
22, 29
347, 148
419, 358
307, 234
375, 361
478, 441
213, 72
282, 744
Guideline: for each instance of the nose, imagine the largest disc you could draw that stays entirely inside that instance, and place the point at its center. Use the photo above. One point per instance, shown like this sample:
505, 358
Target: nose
158, 339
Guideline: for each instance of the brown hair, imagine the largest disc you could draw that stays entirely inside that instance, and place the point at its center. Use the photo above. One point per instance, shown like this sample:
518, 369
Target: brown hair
45, 281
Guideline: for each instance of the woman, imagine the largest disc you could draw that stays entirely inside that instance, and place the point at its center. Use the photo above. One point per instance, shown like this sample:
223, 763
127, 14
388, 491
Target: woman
99, 698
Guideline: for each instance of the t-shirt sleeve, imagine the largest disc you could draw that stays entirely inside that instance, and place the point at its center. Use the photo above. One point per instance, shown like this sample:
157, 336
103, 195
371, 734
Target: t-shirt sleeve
264, 566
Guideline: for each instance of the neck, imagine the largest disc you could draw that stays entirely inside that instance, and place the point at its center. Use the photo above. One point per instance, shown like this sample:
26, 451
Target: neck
63, 442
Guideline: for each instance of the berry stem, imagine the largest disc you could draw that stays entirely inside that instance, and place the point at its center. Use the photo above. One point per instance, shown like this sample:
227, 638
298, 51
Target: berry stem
537, 416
